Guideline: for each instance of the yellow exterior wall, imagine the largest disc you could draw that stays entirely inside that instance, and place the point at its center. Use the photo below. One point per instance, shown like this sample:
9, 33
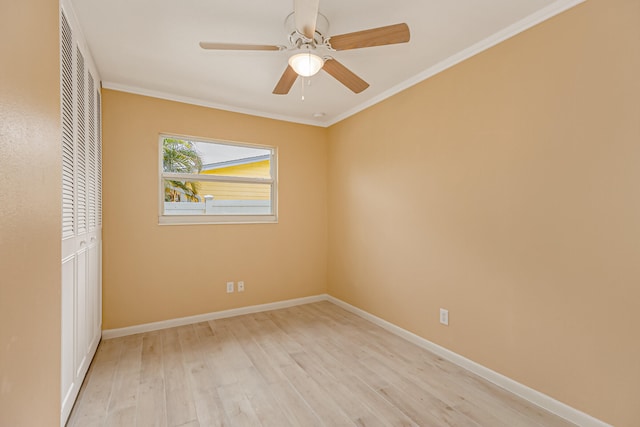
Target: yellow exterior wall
260, 169
506, 189
228, 191
148, 272
30, 218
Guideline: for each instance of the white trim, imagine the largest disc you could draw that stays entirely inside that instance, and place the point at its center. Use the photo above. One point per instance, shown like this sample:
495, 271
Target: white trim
256, 218
80, 40
70, 399
524, 24
216, 178
171, 323
533, 396
204, 103
539, 16
216, 219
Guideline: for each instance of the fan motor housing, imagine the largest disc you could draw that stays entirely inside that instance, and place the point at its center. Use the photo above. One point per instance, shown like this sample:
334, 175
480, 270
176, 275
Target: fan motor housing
298, 40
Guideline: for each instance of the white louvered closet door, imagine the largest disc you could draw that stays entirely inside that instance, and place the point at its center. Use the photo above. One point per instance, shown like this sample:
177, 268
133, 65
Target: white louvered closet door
81, 210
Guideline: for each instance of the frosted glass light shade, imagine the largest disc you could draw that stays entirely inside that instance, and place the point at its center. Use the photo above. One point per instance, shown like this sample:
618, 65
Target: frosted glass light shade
306, 64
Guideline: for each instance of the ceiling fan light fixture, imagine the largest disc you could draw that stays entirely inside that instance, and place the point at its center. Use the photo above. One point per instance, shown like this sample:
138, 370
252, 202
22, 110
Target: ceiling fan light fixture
306, 64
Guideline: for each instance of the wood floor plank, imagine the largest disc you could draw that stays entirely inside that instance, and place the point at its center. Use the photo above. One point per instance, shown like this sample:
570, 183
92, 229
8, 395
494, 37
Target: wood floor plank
341, 393
295, 410
310, 365
209, 405
119, 417
151, 409
365, 390
349, 354
449, 382
124, 392
209, 408
291, 405
374, 407
179, 400
267, 381
93, 400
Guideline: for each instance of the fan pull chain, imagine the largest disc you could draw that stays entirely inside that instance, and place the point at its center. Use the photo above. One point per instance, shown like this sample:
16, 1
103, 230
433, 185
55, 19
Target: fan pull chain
302, 84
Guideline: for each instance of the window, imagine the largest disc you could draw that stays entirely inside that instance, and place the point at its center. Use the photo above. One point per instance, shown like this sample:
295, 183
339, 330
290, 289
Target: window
204, 181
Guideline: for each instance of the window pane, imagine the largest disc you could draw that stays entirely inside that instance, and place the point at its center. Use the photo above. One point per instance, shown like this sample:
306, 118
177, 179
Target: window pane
216, 198
197, 157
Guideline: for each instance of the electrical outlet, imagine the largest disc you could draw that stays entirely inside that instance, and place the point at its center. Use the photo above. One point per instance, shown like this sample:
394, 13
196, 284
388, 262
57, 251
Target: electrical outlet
240, 286
229, 287
444, 316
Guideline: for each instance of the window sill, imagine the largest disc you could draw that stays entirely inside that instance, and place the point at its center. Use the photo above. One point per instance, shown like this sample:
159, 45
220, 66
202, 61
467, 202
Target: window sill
216, 219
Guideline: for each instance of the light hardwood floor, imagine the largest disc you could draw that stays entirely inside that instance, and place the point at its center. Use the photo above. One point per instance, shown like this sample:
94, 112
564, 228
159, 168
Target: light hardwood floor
311, 365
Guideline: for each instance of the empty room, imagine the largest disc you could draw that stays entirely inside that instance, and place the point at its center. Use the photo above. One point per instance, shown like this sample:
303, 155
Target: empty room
320, 213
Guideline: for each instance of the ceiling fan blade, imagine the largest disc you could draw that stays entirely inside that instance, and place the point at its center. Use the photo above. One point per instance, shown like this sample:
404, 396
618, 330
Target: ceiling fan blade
286, 81
234, 46
306, 14
391, 34
344, 75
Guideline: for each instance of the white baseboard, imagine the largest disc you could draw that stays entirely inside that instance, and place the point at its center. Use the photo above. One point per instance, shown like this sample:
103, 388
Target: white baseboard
171, 323
533, 396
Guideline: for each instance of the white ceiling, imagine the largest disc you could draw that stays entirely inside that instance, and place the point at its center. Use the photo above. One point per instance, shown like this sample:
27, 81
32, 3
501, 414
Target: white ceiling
151, 47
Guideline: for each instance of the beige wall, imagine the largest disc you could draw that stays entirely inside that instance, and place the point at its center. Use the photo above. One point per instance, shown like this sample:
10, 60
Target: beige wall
152, 272
506, 189
30, 165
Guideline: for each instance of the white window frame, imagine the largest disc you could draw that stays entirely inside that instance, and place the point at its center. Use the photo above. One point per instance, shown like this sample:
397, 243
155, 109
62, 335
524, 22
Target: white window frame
216, 218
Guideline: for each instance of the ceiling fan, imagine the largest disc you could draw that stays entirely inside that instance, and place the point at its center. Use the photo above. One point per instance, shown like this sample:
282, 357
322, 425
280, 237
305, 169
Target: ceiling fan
307, 29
